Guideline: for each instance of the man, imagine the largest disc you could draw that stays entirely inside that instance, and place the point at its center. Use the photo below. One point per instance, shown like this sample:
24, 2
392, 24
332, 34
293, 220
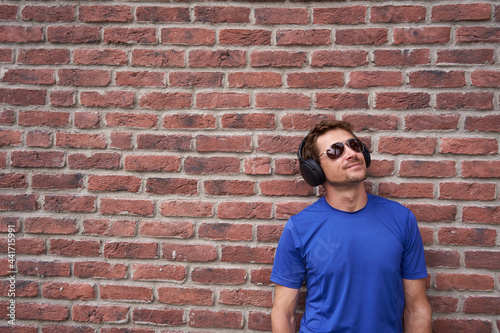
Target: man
361, 255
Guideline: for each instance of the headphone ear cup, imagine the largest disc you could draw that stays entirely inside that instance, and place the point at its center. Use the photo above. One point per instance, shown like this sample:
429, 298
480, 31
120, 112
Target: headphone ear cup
366, 154
311, 172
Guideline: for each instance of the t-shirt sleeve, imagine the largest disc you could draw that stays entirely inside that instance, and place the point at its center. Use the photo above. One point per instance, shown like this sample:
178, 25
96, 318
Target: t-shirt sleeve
288, 268
413, 264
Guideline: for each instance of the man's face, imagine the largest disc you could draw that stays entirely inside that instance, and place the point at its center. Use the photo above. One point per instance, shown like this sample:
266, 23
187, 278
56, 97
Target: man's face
347, 169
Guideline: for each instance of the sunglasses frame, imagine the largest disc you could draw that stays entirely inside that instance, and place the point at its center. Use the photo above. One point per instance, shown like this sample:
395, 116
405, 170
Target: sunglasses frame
345, 143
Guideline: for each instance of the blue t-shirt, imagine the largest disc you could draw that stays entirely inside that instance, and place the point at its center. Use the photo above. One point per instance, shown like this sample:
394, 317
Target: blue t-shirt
353, 265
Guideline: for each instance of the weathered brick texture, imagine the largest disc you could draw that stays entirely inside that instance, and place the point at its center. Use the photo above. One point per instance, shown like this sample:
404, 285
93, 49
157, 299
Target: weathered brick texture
148, 152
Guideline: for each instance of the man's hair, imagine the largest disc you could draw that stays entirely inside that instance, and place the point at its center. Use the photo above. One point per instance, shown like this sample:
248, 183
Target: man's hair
310, 150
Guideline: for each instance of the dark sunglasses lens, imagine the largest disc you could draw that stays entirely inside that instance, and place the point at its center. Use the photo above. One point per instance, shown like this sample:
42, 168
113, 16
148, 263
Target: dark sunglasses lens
335, 151
356, 145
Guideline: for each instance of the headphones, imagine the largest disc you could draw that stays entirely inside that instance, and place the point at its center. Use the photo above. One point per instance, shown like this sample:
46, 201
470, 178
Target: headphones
311, 171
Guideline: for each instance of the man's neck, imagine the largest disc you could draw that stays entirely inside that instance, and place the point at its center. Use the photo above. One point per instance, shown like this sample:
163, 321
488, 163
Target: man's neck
347, 198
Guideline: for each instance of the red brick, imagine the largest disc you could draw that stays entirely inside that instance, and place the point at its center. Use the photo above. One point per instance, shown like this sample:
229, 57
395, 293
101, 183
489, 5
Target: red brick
229, 187
206, 143
341, 101
43, 56
488, 214
277, 59
166, 229
37, 159
278, 143
72, 291
152, 163
129, 36
282, 101
50, 225
220, 14
303, 121
412, 57
372, 122
84, 77
461, 12
482, 259
422, 35
450, 281
381, 168
406, 190
24, 245
188, 36
163, 142
22, 96
366, 79
286, 166
127, 206
261, 276
166, 58
13, 180
20, 34
308, 37
7, 117
94, 161
470, 100
74, 248
138, 250
467, 191
217, 58
248, 121
74, 34
340, 15
170, 317
159, 100
29, 76
44, 118
100, 313
105, 13
285, 188
220, 100
43, 268
35, 311
443, 304
244, 297
185, 296
140, 79
244, 210
457, 325
121, 140
245, 37
158, 272
111, 183
98, 269
99, 57
402, 100
212, 165
469, 146
221, 319
368, 36
6, 55
258, 166
270, 15
482, 304
187, 208
339, 58
477, 34
485, 79
38, 138
87, 120
259, 321
433, 213
484, 124
398, 14
67, 329
247, 254
23, 289
126, 293
80, 140
442, 258
48, 14
317, 80
437, 79
196, 79
401, 145
63, 98
142, 120
189, 253
430, 169
432, 122
178, 186
469, 57
8, 12
10, 138
162, 14
226, 231
467, 236
120, 228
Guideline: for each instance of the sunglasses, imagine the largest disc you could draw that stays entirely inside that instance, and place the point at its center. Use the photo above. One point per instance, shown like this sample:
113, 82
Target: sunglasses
336, 150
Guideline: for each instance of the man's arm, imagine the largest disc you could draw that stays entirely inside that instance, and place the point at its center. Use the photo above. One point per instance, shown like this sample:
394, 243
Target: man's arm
283, 312
417, 312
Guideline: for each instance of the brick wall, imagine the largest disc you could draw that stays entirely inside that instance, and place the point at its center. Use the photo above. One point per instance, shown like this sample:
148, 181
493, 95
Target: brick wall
148, 152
